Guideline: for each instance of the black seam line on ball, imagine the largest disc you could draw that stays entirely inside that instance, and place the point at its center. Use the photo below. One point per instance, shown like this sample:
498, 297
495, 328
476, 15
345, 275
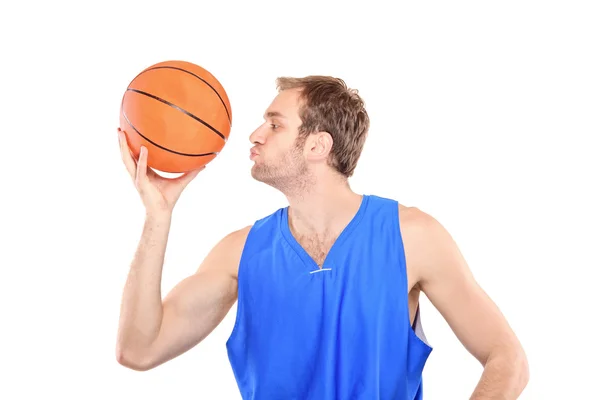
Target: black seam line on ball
162, 147
203, 80
179, 109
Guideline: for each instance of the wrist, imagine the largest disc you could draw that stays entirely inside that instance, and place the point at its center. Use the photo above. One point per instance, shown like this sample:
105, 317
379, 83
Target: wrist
158, 216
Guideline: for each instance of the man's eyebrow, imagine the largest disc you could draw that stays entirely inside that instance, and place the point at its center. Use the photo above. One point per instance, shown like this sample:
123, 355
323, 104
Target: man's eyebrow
274, 114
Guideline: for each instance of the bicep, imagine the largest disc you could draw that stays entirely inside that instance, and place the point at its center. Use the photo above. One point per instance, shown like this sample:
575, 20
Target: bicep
448, 283
192, 310
197, 304
469, 311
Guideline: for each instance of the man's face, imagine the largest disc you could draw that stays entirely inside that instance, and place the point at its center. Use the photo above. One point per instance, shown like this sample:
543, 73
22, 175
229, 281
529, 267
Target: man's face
277, 154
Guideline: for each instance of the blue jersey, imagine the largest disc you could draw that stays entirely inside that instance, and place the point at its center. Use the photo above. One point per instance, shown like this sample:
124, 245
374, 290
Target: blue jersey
342, 331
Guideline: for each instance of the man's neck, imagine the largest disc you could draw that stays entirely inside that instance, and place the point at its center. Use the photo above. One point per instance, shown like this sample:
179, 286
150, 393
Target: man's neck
323, 209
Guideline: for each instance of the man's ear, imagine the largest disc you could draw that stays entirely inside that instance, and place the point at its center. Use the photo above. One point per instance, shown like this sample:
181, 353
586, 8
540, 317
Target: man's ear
319, 145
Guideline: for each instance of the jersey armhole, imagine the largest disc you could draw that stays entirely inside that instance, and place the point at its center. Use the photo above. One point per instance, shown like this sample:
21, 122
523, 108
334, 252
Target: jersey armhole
240, 287
416, 326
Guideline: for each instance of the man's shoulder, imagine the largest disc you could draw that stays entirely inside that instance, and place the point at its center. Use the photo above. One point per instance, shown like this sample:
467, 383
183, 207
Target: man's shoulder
417, 225
264, 222
237, 237
426, 241
410, 213
413, 215
263, 227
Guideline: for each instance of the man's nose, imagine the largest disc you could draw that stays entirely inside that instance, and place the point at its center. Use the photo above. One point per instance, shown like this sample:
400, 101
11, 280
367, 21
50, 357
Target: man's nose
258, 136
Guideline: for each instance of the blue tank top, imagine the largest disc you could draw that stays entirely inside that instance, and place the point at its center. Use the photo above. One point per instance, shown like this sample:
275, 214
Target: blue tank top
340, 332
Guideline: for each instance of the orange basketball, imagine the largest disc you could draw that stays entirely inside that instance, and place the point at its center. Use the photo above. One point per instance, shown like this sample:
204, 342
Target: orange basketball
180, 112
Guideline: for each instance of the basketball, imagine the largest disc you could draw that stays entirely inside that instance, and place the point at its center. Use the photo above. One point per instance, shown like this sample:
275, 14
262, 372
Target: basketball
180, 112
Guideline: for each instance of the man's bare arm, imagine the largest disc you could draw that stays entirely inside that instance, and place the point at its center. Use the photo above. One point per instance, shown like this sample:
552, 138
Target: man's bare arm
445, 278
153, 331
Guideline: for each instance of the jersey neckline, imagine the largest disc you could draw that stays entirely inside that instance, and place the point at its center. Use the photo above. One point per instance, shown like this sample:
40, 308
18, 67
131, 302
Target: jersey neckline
346, 232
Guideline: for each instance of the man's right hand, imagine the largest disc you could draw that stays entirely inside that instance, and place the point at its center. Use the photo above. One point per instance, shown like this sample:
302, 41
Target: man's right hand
158, 194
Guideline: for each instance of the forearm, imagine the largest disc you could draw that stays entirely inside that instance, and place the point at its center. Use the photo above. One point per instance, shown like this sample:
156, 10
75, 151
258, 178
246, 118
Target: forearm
141, 307
504, 378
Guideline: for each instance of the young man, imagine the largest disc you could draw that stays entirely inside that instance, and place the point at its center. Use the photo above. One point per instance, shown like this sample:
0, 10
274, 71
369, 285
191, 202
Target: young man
327, 288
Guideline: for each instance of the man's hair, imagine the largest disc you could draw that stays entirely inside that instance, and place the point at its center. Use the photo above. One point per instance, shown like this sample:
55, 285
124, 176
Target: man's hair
328, 105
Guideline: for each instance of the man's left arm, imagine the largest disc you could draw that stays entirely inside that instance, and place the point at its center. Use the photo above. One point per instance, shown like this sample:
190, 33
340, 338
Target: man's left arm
446, 280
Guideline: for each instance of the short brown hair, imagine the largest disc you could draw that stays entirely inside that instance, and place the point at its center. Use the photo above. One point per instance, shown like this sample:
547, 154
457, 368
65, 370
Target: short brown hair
329, 105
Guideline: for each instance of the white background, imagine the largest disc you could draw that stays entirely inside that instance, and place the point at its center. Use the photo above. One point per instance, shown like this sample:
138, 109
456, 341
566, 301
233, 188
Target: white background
485, 115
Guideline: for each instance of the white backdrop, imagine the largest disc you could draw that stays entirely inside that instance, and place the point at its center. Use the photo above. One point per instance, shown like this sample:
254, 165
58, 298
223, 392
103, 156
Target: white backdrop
485, 115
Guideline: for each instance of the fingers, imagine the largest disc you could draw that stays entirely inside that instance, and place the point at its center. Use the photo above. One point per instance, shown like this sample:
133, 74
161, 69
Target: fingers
141, 176
186, 178
136, 168
126, 154
139, 171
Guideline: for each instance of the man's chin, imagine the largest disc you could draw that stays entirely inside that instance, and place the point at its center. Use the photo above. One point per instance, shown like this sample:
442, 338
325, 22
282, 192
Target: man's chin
256, 173
263, 176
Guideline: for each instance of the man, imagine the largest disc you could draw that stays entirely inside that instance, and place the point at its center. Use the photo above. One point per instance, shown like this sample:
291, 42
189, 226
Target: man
327, 288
